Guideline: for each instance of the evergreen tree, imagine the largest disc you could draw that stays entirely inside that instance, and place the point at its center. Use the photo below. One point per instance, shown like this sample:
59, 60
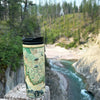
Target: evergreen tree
84, 8
58, 9
65, 7
80, 8
75, 7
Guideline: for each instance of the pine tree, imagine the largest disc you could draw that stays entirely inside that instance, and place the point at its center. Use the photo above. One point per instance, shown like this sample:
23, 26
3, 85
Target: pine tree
65, 7
84, 9
58, 9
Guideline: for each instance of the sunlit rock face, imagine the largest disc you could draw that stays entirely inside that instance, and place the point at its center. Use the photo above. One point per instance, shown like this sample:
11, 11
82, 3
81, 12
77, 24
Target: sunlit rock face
89, 67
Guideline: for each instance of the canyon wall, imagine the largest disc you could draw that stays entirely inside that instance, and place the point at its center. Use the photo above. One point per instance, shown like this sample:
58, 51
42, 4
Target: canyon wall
89, 67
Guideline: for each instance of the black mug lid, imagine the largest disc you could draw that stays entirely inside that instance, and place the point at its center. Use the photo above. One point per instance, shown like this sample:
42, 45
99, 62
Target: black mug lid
33, 41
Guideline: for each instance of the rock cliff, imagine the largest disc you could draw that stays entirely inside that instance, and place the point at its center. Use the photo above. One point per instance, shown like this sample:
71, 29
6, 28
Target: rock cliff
10, 79
89, 67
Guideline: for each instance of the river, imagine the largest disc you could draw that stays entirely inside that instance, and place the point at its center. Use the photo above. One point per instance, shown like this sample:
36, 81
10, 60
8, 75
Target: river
76, 85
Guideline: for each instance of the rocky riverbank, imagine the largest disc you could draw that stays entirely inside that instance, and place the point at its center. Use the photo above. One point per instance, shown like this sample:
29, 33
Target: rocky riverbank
89, 67
57, 83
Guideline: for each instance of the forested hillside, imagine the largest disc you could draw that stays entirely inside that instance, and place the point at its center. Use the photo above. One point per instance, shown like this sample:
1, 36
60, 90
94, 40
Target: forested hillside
79, 23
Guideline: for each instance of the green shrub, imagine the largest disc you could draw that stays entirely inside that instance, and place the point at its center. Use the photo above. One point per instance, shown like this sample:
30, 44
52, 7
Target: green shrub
75, 46
72, 44
61, 44
80, 48
10, 50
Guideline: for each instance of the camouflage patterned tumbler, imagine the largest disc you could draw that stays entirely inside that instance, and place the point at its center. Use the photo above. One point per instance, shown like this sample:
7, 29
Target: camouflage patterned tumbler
34, 66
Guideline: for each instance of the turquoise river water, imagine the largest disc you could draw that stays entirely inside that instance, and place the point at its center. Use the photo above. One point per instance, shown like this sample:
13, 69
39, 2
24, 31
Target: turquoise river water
76, 86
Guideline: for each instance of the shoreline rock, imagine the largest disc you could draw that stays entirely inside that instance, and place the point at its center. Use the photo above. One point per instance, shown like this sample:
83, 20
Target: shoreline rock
57, 83
89, 67
63, 81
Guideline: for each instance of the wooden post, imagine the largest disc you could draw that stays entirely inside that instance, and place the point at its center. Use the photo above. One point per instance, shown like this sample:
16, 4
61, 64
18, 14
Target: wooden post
19, 93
